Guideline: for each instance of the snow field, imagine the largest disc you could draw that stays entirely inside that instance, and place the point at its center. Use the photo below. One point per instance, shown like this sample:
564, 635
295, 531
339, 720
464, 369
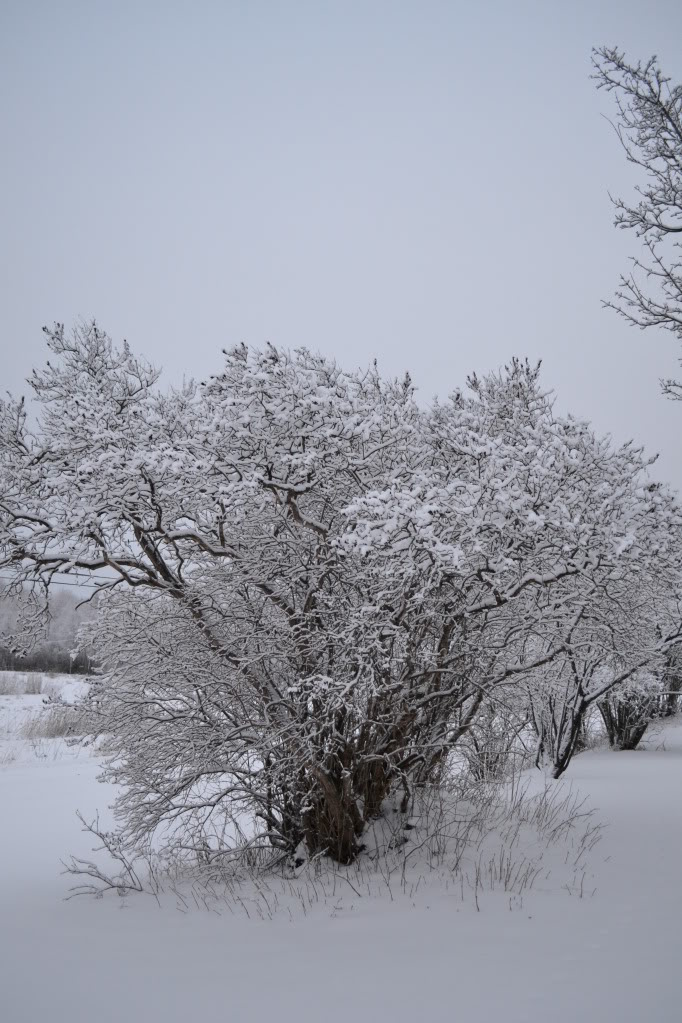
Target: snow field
393, 953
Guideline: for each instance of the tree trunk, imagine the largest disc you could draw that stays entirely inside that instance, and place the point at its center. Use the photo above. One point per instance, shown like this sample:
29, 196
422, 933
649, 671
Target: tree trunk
564, 751
333, 822
625, 723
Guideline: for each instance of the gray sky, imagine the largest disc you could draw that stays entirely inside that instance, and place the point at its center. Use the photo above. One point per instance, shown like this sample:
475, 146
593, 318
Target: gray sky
424, 182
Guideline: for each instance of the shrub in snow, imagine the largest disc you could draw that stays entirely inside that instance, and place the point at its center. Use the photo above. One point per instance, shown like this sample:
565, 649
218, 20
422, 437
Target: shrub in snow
610, 649
315, 585
628, 710
496, 745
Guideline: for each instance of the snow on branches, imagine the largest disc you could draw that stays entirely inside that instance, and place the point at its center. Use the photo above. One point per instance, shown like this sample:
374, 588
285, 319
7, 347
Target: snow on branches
648, 123
314, 584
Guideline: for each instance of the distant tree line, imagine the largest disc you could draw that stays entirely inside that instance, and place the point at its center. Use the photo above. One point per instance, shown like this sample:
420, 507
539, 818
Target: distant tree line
56, 647
49, 657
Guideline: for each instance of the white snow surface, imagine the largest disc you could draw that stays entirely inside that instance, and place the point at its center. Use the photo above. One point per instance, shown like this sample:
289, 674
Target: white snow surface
611, 956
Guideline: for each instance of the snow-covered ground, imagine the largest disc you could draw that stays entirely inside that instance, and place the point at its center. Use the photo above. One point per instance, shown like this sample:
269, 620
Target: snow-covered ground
22, 700
609, 956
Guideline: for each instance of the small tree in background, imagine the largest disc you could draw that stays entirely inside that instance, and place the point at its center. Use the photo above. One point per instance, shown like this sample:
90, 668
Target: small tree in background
607, 657
628, 710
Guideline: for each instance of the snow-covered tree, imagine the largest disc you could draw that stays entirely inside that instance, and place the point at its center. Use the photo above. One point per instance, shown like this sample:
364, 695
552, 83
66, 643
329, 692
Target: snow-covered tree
314, 584
611, 652
649, 126
628, 709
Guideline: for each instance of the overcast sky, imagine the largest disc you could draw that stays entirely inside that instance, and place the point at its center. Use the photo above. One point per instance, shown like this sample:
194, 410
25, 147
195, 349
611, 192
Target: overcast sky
424, 182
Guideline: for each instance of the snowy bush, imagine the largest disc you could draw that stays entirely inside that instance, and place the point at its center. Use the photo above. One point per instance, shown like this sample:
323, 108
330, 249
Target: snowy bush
499, 742
629, 709
611, 646
311, 586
